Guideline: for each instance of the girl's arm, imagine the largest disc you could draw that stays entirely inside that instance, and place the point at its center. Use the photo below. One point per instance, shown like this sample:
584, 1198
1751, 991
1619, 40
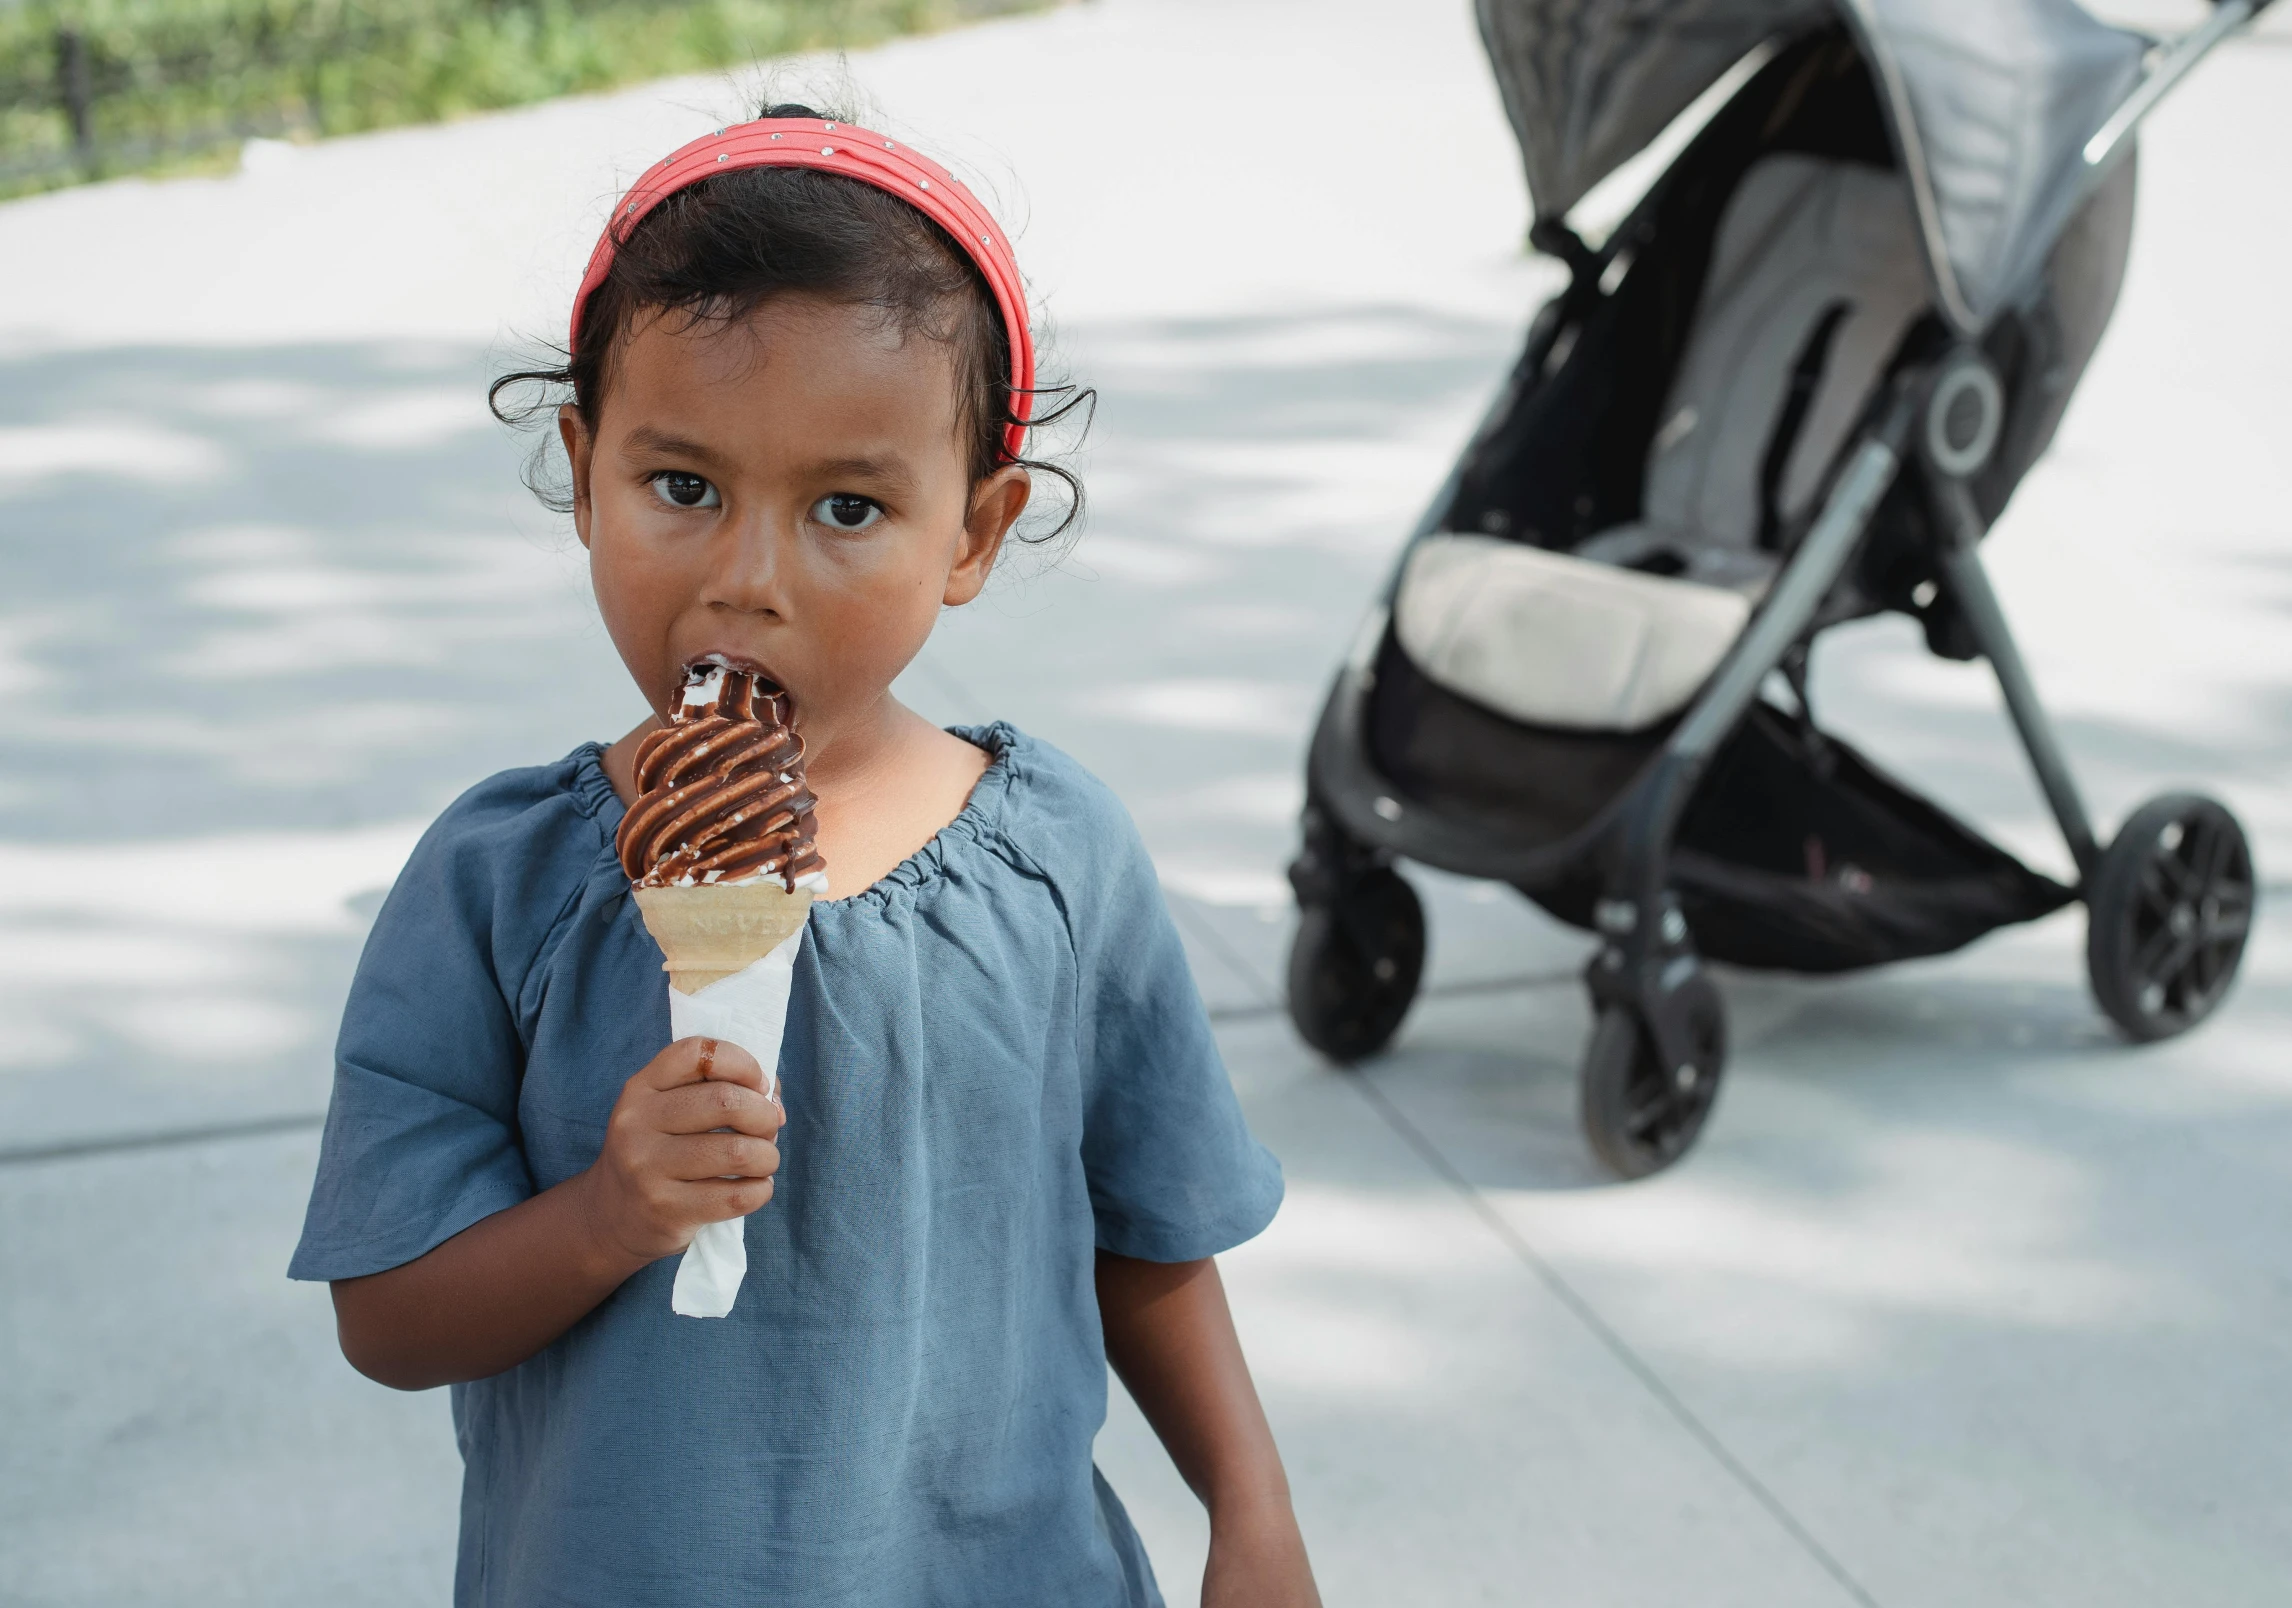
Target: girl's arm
486, 1299
689, 1142
1171, 1338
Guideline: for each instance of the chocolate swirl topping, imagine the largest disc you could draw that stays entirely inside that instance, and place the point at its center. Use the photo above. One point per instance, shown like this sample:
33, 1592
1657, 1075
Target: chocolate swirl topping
721, 793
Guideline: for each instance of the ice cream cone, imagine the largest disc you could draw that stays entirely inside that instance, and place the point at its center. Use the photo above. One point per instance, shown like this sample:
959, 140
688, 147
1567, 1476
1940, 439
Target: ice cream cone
710, 931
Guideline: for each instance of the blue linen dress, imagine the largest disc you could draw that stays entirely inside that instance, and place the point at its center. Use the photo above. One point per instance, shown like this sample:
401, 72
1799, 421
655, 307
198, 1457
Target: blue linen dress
995, 1062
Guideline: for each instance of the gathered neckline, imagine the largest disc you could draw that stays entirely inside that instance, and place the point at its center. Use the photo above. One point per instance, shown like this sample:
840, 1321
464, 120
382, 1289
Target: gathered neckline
982, 813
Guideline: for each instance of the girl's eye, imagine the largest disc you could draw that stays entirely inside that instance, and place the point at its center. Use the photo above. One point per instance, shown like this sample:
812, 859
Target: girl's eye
842, 510
681, 490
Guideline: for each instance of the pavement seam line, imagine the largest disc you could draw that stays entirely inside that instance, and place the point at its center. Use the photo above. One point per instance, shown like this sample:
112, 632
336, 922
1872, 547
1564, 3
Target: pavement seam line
1614, 1343
1464, 990
75, 1149
1206, 932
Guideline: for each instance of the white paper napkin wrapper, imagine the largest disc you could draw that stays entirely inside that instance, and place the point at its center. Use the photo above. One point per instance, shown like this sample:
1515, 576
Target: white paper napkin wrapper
750, 1009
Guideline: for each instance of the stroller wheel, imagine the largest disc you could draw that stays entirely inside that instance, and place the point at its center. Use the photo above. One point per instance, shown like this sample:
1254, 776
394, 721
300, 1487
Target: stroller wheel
2167, 913
1354, 965
1639, 1114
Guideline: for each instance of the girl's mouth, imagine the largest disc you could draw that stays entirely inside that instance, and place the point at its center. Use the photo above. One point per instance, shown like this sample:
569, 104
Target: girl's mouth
732, 661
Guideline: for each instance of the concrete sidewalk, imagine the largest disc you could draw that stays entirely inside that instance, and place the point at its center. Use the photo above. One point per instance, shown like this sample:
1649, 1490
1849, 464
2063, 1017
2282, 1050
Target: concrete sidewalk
1959, 1303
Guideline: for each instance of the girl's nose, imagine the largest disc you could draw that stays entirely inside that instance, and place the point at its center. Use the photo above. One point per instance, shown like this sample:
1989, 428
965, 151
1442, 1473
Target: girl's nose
747, 565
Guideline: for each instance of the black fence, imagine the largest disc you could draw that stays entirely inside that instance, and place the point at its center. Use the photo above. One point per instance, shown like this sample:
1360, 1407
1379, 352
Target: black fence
79, 99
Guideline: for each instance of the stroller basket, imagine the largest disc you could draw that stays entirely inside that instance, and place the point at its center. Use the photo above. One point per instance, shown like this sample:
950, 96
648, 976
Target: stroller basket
1796, 853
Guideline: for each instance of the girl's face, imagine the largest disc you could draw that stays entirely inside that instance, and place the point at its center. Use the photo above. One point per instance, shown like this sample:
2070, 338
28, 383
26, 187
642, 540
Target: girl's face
789, 493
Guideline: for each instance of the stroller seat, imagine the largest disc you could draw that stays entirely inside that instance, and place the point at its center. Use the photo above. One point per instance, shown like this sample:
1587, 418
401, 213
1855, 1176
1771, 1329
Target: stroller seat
1554, 641
1815, 277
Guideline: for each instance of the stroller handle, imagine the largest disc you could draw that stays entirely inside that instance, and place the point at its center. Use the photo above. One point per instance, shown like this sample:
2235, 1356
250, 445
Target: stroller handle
2179, 56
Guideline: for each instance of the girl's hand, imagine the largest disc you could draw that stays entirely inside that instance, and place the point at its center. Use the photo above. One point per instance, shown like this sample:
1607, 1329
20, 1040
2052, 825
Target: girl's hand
1258, 1562
666, 1168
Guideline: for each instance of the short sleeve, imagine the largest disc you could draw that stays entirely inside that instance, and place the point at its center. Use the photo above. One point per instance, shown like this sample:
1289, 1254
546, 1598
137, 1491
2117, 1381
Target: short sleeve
1173, 1170
421, 1133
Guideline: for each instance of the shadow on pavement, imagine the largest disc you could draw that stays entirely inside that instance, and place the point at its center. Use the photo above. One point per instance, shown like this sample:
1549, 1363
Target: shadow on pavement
268, 610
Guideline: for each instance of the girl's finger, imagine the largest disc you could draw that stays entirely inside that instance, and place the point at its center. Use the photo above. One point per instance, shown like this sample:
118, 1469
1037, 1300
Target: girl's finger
699, 1060
700, 1156
702, 1107
721, 1061
719, 1199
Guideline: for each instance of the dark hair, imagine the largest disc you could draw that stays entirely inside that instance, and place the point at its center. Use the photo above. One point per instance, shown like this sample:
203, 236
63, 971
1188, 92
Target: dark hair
718, 250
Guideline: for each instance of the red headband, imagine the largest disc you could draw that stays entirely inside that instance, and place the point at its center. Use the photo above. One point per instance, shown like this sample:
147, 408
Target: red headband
853, 153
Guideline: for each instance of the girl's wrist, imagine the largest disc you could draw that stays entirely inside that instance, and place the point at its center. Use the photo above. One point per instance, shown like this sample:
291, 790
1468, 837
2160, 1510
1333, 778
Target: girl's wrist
1257, 1556
1252, 1506
602, 1254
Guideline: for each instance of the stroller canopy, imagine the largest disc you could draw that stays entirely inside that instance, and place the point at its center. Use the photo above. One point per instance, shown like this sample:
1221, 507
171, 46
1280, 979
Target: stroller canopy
1990, 101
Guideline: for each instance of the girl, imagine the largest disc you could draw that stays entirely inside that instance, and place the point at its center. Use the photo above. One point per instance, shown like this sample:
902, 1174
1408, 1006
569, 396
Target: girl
800, 379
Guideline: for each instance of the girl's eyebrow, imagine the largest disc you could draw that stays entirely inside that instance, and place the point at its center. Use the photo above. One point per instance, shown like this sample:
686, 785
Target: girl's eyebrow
644, 440
889, 474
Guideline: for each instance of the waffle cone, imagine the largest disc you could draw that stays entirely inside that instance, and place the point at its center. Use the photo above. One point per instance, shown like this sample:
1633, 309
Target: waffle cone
711, 931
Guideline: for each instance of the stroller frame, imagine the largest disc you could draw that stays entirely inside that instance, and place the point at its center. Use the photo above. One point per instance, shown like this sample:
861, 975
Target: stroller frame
1653, 1065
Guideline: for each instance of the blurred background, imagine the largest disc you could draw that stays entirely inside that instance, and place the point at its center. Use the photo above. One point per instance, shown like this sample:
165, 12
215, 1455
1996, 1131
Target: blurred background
1960, 1300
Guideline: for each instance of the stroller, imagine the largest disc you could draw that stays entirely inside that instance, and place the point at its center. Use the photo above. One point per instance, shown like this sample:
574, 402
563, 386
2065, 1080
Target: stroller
1793, 388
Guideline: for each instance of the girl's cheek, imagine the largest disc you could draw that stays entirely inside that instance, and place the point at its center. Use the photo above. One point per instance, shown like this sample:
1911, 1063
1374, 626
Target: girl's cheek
639, 532
636, 573
882, 597
865, 586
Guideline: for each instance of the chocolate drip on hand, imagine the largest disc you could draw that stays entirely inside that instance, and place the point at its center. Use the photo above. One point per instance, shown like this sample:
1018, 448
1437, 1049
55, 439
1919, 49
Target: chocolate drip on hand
721, 794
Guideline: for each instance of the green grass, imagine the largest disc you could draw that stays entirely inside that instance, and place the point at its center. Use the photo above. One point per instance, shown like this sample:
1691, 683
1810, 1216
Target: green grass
165, 80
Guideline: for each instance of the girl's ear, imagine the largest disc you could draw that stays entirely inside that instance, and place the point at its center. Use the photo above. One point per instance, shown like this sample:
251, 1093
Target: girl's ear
996, 505
579, 445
